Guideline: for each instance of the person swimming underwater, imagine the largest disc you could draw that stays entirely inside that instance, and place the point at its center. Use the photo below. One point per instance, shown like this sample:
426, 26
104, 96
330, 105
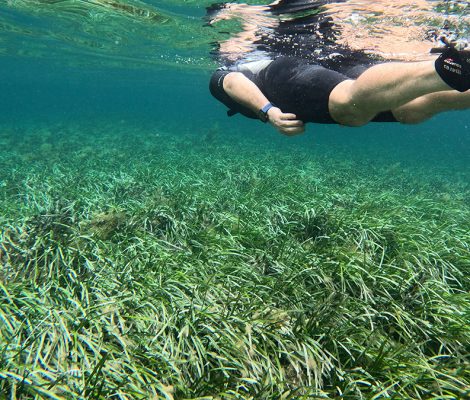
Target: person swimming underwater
334, 83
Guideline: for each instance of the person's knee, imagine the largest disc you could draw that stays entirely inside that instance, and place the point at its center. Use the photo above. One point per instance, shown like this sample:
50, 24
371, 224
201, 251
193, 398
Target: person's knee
344, 109
348, 114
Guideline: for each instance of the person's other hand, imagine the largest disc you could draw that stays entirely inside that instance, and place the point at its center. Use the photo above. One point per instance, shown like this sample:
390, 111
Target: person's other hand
286, 123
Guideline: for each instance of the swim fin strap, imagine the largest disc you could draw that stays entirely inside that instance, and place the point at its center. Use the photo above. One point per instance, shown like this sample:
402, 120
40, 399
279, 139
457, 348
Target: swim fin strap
453, 67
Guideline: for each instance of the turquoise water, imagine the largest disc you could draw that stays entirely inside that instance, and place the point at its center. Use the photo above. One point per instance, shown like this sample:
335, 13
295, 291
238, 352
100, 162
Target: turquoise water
39, 91
152, 247
76, 60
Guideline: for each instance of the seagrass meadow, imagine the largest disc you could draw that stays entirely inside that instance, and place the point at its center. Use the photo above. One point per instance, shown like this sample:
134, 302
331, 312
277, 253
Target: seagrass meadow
144, 260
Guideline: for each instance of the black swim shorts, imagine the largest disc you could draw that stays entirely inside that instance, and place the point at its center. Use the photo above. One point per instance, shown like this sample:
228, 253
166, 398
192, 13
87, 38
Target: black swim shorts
301, 88
293, 85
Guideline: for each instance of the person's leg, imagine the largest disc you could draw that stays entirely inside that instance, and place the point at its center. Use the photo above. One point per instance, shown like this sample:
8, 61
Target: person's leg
383, 87
424, 107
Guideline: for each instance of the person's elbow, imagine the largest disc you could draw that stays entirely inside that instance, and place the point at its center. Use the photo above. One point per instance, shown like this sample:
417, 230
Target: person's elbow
232, 80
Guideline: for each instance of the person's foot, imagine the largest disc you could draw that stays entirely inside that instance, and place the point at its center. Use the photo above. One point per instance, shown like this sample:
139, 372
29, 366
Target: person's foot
453, 66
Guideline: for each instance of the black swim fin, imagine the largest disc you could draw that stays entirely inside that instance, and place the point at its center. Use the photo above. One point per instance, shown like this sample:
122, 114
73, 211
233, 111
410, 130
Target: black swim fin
453, 66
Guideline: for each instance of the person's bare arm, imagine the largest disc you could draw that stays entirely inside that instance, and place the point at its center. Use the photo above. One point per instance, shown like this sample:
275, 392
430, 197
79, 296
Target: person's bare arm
246, 93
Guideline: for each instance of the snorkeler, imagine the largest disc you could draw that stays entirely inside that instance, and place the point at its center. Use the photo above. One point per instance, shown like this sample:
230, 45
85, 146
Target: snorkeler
291, 91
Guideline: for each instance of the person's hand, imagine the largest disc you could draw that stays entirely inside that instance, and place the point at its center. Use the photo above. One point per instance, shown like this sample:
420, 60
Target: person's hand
286, 123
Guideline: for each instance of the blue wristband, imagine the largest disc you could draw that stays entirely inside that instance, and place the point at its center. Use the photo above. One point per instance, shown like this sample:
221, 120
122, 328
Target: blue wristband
263, 113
